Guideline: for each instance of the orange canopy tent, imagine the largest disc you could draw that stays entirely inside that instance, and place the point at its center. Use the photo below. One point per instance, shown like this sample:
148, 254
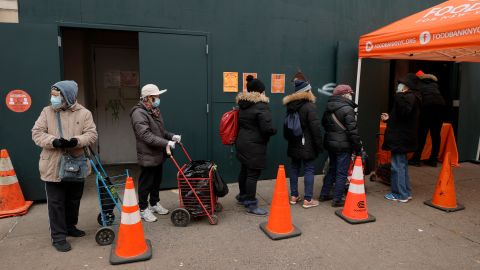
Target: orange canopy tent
447, 32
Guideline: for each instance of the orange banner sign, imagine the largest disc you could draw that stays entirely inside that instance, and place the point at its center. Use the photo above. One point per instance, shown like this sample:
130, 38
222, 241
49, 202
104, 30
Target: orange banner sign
245, 80
230, 81
278, 83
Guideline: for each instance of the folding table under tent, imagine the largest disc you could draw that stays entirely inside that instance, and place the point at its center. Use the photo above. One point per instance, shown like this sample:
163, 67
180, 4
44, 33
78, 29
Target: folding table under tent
447, 32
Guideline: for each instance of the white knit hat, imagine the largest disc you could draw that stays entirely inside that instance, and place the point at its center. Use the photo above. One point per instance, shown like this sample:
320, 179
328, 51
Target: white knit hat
151, 90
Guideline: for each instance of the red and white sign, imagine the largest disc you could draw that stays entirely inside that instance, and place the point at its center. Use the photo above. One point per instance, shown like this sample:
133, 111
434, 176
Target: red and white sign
18, 101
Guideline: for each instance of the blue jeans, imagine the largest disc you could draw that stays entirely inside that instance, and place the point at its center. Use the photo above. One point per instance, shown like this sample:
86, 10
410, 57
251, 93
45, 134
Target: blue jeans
337, 173
309, 169
399, 179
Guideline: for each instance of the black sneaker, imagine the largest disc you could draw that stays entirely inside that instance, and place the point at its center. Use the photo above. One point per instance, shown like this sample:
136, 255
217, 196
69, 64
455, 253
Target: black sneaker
62, 246
240, 200
431, 163
76, 233
338, 203
415, 163
325, 198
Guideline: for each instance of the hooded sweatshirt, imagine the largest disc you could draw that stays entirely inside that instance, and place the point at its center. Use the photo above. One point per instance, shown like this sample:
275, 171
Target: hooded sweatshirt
69, 90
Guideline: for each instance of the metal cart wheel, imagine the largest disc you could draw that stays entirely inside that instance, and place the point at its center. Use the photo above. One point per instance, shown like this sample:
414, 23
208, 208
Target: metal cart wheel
104, 236
110, 218
218, 207
214, 220
180, 217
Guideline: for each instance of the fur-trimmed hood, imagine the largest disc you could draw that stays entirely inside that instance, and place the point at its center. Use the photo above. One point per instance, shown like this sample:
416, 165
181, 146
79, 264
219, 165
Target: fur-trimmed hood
428, 77
307, 96
253, 97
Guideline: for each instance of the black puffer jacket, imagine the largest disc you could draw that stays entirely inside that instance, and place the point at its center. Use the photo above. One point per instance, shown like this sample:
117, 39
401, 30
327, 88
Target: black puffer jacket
338, 139
254, 129
304, 104
402, 125
428, 88
151, 135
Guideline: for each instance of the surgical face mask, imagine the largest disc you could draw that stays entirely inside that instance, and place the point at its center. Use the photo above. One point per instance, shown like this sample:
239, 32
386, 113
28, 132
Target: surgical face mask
400, 87
348, 96
56, 101
156, 103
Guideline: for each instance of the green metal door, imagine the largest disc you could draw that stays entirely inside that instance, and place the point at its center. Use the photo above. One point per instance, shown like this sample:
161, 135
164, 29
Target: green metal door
30, 62
179, 63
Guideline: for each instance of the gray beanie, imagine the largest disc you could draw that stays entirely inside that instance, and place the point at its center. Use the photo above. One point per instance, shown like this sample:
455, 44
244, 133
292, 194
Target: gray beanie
69, 90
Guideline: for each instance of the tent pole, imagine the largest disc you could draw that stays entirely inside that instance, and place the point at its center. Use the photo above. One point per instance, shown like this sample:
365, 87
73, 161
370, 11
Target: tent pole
477, 157
357, 86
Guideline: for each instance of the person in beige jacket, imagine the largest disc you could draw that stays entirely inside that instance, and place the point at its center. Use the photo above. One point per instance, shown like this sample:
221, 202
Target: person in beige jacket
79, 131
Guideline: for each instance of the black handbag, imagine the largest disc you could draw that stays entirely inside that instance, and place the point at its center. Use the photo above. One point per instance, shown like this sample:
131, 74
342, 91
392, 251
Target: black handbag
71, 168
219, 186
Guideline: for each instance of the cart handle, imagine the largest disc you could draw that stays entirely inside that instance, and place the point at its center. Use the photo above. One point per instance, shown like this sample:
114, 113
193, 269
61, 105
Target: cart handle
169, 151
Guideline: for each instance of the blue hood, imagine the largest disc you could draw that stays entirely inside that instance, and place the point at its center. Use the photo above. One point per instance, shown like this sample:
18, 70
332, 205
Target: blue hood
69, 91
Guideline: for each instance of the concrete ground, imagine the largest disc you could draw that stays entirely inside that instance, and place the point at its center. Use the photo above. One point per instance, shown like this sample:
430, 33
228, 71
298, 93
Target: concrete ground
405, 236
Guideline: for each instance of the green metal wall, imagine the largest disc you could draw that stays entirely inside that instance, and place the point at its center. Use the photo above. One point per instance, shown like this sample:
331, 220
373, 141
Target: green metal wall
468, 125
320, 37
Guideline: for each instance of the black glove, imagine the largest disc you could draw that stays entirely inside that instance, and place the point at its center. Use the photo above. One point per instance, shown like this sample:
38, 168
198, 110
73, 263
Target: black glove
60, 143
72, 143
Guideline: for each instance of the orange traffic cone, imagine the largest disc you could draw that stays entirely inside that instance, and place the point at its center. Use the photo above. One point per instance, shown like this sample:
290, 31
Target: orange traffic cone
12, 202
355, 209
131, 244
279, 224
444, 197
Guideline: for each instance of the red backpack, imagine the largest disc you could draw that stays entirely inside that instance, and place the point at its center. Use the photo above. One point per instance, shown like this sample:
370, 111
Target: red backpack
229, 127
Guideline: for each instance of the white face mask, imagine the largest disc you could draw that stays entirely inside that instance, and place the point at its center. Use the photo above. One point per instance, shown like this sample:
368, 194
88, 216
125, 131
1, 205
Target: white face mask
348, 96
401, 87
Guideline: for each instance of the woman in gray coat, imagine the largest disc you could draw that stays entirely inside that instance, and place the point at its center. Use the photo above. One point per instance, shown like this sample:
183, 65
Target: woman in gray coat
152, 140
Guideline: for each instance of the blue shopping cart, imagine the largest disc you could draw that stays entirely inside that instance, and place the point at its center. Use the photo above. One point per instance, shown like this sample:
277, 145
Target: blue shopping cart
110, 192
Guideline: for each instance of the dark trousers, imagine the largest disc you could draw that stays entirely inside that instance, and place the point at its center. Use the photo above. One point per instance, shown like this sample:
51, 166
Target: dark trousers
308, 179
247, 182
149, 184
337, 174
63, 200
430, 120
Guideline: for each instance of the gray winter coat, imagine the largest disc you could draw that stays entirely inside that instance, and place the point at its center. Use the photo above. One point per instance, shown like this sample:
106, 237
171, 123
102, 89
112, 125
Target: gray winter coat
151, 135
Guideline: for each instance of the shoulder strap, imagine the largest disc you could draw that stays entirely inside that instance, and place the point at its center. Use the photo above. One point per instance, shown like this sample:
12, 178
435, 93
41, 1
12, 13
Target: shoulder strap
334, 117
59, 124
60, 131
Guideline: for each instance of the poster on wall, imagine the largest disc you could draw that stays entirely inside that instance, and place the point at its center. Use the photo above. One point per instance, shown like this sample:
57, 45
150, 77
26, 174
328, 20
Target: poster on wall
18, 101
111, 79
245, 80
230, 81
278, 83
129, 78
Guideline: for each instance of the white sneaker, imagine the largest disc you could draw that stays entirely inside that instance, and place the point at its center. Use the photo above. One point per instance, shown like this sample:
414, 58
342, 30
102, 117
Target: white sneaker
147, 215
158, 208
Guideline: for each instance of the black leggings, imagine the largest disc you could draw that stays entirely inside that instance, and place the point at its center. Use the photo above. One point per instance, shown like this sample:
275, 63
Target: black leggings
149, 184
63, 201
247, 182
430, 120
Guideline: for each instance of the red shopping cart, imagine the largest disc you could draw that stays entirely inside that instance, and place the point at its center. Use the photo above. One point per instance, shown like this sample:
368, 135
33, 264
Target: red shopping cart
195, 191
